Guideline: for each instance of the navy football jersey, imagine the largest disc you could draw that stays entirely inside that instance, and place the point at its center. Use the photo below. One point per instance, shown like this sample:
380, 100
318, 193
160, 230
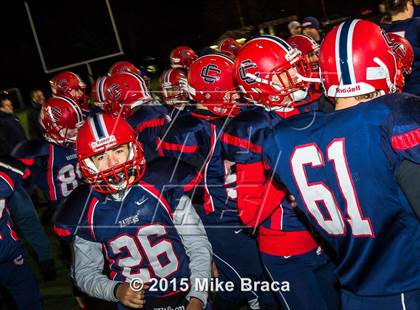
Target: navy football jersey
409, 29
137, 232
341, 168
242, 143
148, 121
54, 168
196, 138
10, 247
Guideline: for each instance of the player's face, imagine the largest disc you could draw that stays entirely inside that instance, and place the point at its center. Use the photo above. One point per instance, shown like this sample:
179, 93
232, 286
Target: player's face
111, 158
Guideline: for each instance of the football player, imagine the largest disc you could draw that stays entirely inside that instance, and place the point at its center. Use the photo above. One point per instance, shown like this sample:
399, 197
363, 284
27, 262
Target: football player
182, 57
126, 95
405, 25
269, 71
138, 221
196, 138
15, 275
342, 169
174, 90
53, 162
69, 84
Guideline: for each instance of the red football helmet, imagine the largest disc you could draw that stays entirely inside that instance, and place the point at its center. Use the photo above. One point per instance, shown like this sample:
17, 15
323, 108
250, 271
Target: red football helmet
98, 91
101, 133
229, 47
404, 54
270, 73
211, 83
173, 84
356, 59
124, 92
60, 118
123, 66
70, 85
309, 49
182, 57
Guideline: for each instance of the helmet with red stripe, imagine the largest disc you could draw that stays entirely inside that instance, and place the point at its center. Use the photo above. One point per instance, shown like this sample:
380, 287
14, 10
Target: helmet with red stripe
229, 47
309, 49
123, 92
404, 54
98, 91
182, 57
60, 119
123, 66
356, 59
270, 73
173, 84
70, 85
102, 133
211, 83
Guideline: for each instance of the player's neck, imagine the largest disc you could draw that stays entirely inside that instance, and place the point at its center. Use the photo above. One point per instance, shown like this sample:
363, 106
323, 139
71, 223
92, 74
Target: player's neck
402, 16
344, 103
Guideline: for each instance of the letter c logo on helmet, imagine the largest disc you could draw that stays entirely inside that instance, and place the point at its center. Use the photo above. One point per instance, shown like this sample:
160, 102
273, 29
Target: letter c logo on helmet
206, 73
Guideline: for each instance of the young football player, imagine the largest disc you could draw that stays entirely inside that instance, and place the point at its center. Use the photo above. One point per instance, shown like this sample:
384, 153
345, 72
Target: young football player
138, 221
342, 169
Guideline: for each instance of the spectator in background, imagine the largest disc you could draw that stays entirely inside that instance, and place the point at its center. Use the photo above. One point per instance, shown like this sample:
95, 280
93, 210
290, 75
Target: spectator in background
294, 28
404, 24
37, 100
10, 125
312, 28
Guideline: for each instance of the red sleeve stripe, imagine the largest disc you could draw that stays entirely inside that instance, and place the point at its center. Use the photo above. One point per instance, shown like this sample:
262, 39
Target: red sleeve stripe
50, 175
8, 180
242, 143
407, 140
158, 122
178, 147
61, 232
90, 215
27, 161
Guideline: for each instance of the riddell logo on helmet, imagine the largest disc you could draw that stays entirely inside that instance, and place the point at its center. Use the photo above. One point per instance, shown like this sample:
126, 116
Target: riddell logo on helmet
348, 89
101, 143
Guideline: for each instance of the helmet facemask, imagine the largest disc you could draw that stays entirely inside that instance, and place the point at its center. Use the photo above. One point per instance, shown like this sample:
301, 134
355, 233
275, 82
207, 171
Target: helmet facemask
119, 177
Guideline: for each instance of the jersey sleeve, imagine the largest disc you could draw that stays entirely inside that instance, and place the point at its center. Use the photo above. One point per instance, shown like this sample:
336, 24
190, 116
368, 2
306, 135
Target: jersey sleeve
70, 218
186, 139
402, 128
11, 173
242, 139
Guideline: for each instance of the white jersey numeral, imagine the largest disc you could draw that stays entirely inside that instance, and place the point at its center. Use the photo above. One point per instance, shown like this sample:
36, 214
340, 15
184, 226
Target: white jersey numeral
68, 178
318, 192
142, 244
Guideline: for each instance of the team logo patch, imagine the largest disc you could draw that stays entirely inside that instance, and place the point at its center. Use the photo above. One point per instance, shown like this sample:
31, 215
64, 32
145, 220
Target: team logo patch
246, 65
210, 73
55, 114
115, 91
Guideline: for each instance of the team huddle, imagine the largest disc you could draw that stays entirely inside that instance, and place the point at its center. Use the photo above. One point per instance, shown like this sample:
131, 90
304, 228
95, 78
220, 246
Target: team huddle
277, 161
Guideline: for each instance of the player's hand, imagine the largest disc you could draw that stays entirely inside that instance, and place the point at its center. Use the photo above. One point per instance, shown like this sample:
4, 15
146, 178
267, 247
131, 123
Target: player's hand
195, 304
131, 298
214, 271
292, 200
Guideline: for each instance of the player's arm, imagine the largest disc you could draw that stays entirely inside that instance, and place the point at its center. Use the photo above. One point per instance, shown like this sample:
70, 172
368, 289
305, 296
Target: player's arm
258, 196
403, 127
408, 177
88, 270
198, 248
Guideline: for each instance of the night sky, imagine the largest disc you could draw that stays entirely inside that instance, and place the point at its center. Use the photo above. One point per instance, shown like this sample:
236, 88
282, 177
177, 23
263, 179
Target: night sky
73, 31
